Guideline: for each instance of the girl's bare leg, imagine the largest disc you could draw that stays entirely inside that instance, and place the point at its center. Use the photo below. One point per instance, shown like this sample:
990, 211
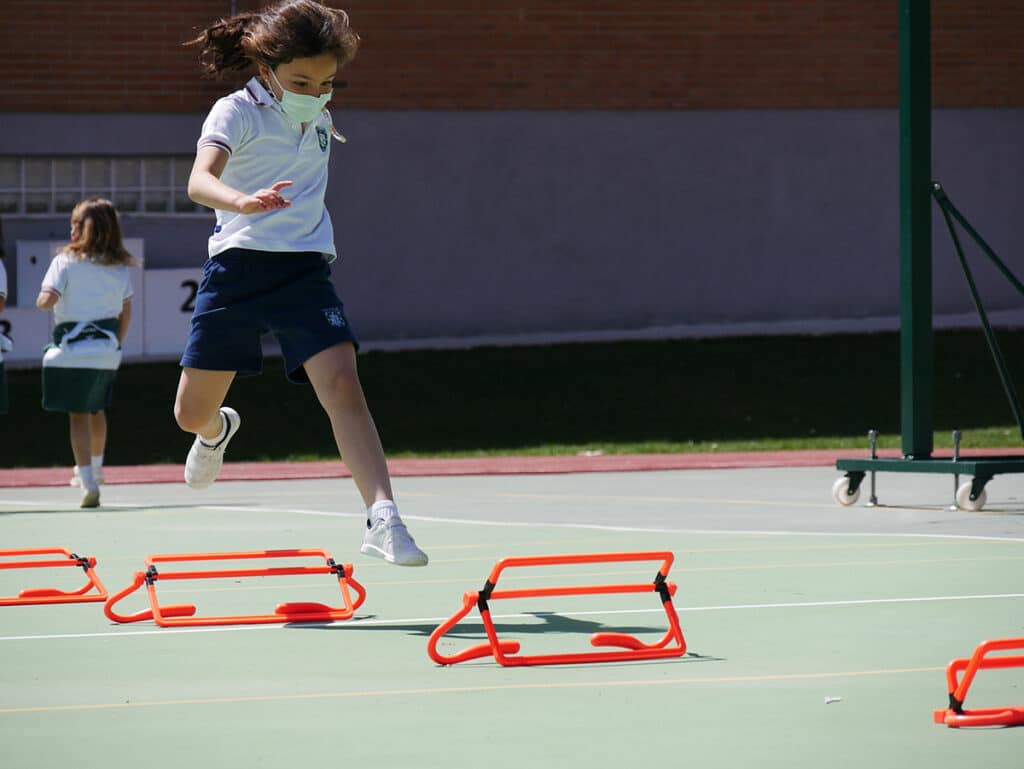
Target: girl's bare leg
200, 396
81, 448
98, 433
197, 408
334, 377
80, 440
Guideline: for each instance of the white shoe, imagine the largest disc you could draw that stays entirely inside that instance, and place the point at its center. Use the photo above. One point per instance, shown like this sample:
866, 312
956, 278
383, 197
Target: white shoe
76, 481
390, 540
91, 497
204, 462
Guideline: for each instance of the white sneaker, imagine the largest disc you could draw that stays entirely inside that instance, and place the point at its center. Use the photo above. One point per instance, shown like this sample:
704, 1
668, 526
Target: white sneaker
76, 481
390, 540
204, 462
91, 497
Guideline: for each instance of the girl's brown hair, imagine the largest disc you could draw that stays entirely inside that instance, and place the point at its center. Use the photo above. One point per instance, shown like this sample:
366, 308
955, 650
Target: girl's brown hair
291, 29
97, 233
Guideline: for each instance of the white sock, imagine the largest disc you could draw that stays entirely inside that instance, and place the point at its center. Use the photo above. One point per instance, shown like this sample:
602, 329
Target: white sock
97, 462
212, 442
86, 476
382, 511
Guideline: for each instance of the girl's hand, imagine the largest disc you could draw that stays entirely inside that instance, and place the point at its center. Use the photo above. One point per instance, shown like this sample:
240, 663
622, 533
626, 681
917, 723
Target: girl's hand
262, 201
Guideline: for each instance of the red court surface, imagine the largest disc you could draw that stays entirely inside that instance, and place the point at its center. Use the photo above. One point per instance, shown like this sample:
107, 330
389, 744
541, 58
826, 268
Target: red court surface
516, 465
491, 465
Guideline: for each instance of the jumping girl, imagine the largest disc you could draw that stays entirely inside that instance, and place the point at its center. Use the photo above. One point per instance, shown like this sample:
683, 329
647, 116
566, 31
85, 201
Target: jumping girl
261, 163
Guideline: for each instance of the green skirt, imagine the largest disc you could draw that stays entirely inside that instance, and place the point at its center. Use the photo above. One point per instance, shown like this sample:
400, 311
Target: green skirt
80, 382
77, 390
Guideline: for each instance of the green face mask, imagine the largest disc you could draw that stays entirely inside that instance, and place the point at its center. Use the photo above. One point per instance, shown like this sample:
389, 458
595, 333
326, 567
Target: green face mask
299, 106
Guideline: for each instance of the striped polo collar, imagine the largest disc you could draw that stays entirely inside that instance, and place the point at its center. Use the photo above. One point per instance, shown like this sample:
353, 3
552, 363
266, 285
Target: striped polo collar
260, 95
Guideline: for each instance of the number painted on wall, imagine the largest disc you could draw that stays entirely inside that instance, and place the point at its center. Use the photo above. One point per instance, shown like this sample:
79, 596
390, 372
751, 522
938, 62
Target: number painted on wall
189, 305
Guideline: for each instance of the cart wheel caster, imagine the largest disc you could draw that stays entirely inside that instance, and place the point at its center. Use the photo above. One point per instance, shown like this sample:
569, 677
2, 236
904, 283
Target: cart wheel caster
842, 494
964, 501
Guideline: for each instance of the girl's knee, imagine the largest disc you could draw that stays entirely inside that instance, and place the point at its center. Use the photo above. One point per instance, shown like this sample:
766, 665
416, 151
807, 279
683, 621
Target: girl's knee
341, 389
189, 419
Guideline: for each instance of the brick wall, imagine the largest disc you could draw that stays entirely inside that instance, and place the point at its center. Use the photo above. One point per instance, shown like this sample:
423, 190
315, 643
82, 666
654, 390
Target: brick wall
106, 56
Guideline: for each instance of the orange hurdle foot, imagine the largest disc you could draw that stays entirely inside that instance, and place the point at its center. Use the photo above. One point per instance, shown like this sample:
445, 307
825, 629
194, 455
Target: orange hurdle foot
955, 715
45, 595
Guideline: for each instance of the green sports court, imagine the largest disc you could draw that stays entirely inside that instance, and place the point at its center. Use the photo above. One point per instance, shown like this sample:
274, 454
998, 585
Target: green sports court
816, 634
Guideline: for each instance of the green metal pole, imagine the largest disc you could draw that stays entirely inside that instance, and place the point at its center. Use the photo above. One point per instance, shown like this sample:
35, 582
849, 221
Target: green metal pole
916, 358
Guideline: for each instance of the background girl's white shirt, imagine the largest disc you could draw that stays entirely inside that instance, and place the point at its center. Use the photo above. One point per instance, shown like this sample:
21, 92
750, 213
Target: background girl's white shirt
87, 290
266, 146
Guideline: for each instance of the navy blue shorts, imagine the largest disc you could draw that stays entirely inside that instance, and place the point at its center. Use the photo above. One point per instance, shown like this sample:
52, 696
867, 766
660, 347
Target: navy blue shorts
245, 294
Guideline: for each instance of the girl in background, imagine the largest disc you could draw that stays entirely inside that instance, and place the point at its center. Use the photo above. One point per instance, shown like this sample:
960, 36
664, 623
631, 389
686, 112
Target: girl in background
89, 290
261, 164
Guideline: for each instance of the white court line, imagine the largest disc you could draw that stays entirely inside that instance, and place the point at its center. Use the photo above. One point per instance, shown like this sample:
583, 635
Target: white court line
555, 525
622, 529
355, 624
69, 507
296, 511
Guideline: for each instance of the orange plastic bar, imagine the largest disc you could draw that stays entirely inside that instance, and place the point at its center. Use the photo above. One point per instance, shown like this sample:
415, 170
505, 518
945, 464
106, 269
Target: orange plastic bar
46, 595
174, 615
507, 652
955, 716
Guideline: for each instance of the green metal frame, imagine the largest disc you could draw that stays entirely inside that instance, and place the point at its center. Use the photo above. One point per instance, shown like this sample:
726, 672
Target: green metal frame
916, 342
949, 213
982, 469
916, 356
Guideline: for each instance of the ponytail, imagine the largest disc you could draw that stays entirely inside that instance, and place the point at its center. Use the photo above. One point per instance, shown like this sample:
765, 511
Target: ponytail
287, 30
226, 46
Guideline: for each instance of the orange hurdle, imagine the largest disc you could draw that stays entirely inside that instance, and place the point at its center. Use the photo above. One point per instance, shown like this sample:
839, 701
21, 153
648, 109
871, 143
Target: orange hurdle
632, 648
955, 716
182, 614
41, 595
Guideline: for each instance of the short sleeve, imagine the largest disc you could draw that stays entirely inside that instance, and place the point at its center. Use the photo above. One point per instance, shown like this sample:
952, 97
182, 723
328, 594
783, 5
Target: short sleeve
3, 280
129, 290
226, 126
56, 277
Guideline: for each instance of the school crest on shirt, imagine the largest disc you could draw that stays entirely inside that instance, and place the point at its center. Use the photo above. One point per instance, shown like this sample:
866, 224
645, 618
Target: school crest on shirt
335, 317
321, 135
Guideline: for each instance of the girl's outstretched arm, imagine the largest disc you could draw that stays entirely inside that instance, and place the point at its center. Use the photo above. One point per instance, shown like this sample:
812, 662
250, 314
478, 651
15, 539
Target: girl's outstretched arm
206, 188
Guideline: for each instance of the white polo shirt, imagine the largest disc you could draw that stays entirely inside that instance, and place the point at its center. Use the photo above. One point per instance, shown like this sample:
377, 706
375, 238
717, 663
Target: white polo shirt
266, 146
87, 290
